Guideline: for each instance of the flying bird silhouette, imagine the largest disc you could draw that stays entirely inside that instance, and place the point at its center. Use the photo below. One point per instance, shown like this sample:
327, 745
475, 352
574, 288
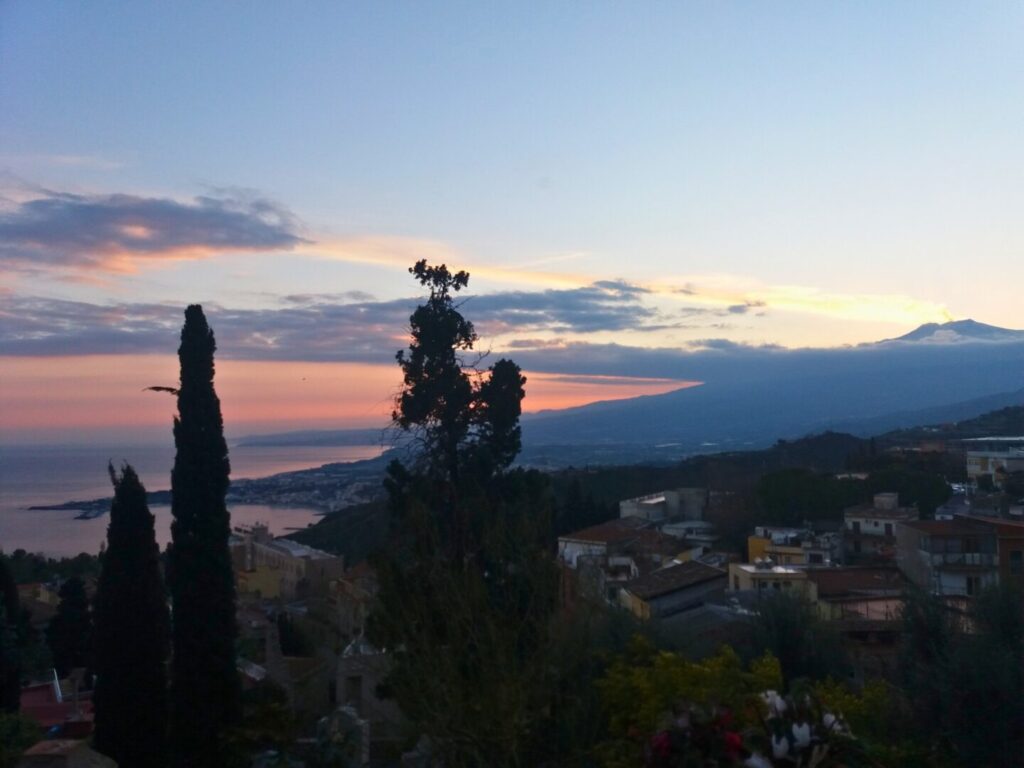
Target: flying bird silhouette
168, 390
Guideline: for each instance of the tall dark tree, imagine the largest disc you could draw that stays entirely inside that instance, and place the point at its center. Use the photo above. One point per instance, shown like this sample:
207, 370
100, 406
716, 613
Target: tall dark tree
468, 591
132, 634
70, 633
10, 656
205, 689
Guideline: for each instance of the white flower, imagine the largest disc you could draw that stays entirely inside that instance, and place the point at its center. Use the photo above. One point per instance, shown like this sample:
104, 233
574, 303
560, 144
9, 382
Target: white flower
780, 746
776, 704
757, 760
833, 723
801, 734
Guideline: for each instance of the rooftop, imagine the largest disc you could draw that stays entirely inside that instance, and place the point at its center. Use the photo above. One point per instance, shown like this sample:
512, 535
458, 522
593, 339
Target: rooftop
958, 525
615, 530
779, 570
871, 511
295, 549
837, 582
673, 578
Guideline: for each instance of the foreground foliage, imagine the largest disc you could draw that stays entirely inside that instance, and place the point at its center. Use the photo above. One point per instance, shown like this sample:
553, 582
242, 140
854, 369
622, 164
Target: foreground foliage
132, 634
205, 691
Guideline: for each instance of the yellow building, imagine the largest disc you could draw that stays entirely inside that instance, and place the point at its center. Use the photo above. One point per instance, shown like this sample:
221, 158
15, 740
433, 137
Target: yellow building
766, 575
791, 546
263, 580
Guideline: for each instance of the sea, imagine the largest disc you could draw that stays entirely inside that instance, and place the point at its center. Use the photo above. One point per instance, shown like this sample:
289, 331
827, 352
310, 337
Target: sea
33, 475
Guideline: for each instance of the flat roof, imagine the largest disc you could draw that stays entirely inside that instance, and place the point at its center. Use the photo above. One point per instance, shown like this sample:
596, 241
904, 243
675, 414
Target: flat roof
844, 580
871, 511
295, 549
779, 570
952, 527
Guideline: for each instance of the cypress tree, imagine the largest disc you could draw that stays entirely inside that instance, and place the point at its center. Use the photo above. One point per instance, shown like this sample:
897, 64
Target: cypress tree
69, 634
10, 656
132, 633
205, 689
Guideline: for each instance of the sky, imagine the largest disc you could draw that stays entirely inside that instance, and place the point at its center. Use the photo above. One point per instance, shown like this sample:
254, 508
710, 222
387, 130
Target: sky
620, 180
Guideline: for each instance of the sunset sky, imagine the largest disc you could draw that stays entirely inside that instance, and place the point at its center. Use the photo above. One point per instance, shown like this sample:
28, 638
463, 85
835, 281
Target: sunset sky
632, 186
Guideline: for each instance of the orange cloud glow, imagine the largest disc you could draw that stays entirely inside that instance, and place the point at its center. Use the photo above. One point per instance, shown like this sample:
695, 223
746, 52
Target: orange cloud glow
86, 397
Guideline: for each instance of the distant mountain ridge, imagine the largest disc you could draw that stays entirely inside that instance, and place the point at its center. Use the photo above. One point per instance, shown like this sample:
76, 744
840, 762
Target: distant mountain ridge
960, 331
752, 396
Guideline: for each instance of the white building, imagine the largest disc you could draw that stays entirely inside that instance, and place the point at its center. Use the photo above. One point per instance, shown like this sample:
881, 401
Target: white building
993, 457
685, 503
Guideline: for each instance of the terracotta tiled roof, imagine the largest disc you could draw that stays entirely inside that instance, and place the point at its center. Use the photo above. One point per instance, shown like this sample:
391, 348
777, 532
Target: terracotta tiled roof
674, 578
613, 531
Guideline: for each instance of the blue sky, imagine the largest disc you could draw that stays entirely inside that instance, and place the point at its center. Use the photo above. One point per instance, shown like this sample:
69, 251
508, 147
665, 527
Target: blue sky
844, 171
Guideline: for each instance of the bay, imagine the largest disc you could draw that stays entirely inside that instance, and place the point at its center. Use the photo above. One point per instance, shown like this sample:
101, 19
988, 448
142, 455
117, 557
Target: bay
52, 474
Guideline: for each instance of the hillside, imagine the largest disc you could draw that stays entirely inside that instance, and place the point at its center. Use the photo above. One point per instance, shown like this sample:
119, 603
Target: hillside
753, 396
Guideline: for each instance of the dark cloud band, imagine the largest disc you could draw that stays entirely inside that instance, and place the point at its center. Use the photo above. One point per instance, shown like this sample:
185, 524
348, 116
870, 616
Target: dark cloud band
58, 229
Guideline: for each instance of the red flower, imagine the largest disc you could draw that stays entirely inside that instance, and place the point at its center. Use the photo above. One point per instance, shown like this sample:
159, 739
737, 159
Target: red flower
733, 745
661, 744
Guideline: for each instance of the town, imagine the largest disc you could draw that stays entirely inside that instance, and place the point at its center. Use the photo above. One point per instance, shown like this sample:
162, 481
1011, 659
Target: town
302, 611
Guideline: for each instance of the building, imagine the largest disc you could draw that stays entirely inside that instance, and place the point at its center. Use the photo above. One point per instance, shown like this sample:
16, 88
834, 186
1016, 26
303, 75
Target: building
604, 557
672, 590
766, 575
600, 539
948, 557
992, 458
260, 560
791, 546
696, 533
63, 753
681, 503
869, 593
864, 605
361, 670
869, 530
1009, 547
59, 706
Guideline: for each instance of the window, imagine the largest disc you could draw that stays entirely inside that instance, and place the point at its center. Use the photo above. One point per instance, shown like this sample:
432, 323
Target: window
973, 585
888, 529
776, 585
1016, 561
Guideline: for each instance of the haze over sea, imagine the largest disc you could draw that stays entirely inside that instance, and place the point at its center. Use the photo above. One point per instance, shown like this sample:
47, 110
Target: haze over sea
32, 475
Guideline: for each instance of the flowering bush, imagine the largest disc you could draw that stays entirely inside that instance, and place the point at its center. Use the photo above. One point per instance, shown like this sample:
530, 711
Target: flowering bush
667, 712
